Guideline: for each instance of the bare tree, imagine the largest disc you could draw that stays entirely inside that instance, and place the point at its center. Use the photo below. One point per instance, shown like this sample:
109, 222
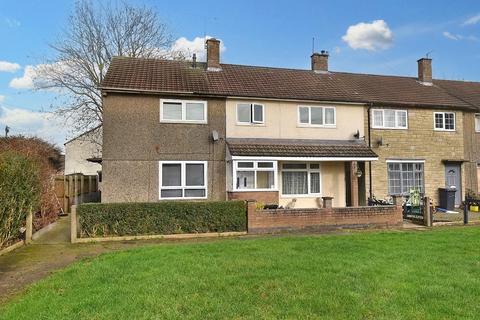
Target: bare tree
94, 35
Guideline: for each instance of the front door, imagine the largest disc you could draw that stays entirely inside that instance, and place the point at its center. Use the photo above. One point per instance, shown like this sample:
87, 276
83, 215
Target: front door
453, 179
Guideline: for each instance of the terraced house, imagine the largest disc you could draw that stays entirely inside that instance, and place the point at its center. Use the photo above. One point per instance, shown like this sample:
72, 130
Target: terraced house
191, 130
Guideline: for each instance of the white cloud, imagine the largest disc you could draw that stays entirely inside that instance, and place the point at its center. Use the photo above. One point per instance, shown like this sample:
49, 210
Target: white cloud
2, 98
370, 36
32, 123
457, 36
472, 20
6, 66
197, 46
450, 36
25, 81
11, 22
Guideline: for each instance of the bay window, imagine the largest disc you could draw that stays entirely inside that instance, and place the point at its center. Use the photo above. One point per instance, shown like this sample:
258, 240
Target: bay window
301, 179
254, 175
183, 179
183, 111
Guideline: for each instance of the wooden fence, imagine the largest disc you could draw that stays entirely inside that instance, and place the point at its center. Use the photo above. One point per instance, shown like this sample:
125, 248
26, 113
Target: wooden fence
75, 189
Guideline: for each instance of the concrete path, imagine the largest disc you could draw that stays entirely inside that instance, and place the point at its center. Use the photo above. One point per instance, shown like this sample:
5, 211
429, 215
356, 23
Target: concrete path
49, 252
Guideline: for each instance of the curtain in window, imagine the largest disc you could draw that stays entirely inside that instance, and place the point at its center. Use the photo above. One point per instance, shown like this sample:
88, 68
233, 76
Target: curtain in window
294, 182
314, 182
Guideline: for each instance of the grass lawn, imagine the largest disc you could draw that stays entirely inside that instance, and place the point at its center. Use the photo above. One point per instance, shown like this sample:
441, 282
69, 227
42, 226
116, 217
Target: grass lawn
371, 275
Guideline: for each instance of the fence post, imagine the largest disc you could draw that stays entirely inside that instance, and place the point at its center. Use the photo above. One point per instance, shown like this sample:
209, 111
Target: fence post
29, 227
73, 224
427, 216
465, 210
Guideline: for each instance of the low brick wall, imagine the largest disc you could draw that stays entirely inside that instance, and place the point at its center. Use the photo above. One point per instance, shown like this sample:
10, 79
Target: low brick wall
269, 221
265, 197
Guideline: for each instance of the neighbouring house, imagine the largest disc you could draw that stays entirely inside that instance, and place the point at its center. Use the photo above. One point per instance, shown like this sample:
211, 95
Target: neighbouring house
83, 153
191, 130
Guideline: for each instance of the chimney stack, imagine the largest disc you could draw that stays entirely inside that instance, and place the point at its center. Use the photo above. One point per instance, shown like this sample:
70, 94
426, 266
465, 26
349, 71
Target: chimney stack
213, 55
320, 62
425, 71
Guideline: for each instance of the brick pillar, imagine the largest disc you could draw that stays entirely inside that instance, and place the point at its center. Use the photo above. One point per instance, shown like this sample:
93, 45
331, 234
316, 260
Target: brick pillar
251, 208
354, 183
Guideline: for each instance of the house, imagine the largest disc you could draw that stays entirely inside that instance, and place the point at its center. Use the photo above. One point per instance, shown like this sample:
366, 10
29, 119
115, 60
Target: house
191, 130
83, 153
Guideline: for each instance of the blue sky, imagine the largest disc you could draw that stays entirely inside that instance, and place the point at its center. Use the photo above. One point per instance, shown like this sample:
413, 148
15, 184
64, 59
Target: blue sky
382, 37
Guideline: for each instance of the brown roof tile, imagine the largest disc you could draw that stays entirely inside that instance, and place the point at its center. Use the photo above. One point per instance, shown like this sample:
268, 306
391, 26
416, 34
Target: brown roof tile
163, 76
299, 148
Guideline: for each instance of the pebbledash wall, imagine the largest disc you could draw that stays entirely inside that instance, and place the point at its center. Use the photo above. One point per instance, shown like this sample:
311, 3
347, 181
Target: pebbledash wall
135, 141
269, 221
419, 142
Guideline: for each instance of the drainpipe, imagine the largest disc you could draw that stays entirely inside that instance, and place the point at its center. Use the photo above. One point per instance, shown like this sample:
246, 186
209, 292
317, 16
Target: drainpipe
370, 192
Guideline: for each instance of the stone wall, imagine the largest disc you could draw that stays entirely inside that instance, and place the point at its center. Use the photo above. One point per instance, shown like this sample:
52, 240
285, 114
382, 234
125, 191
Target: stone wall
419, 142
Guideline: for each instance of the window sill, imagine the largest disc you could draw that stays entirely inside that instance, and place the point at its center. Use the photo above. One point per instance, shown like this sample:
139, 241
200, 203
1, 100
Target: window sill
254, 190
184, 198
445, 130
315, 126
310, 195
183, 122
244, 124
382, 128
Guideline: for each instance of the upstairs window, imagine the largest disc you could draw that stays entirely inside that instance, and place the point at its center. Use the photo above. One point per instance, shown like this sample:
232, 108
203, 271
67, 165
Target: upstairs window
389, 119
444, 121
183, 111
250, 113
316, 116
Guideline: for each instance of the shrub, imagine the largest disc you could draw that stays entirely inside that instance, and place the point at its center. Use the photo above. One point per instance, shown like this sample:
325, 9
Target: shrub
169, 217
19, 194
49, 162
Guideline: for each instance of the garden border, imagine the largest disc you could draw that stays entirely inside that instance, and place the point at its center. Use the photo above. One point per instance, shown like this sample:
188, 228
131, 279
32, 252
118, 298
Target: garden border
12, 247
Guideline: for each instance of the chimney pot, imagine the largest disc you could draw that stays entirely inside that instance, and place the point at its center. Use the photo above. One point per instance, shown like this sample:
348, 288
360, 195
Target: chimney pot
425, 71
320, 61
213, 55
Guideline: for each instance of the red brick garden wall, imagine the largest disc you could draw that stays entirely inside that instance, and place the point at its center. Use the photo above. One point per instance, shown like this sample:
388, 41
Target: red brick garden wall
265, 197
268, 221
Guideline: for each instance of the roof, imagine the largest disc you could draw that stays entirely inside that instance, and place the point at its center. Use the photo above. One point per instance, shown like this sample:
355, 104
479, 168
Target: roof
83, 134
299, 148
179, 77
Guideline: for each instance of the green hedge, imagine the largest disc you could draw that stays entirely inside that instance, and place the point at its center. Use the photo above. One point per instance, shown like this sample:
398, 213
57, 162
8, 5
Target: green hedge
168, 217
19, 194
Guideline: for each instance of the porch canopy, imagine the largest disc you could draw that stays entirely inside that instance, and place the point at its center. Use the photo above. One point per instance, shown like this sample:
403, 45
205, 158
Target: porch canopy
300, 150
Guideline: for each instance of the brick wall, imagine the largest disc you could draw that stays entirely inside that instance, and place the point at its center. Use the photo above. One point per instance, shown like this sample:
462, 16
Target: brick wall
265, 197
268, 221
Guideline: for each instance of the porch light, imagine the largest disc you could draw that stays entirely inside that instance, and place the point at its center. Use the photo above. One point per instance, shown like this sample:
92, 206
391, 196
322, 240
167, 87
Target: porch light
358, 173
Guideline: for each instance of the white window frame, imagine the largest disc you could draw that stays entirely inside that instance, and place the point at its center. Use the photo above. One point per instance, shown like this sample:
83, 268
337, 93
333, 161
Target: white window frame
309, 124
252, 113
184, 111
401, 173
477, 116
308, 170
396, 126
443, 123
255, 168
182, 180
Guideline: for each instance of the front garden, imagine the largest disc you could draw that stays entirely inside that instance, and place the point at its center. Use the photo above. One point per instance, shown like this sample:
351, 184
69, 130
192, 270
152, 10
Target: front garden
371, 275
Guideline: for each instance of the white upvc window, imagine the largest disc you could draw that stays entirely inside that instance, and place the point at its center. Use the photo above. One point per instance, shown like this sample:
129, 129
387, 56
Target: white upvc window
316, 116
250, 113
444, 121
183, 111
477, 122
182, 180
301, 179
389, 119
404, 176
254, 175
